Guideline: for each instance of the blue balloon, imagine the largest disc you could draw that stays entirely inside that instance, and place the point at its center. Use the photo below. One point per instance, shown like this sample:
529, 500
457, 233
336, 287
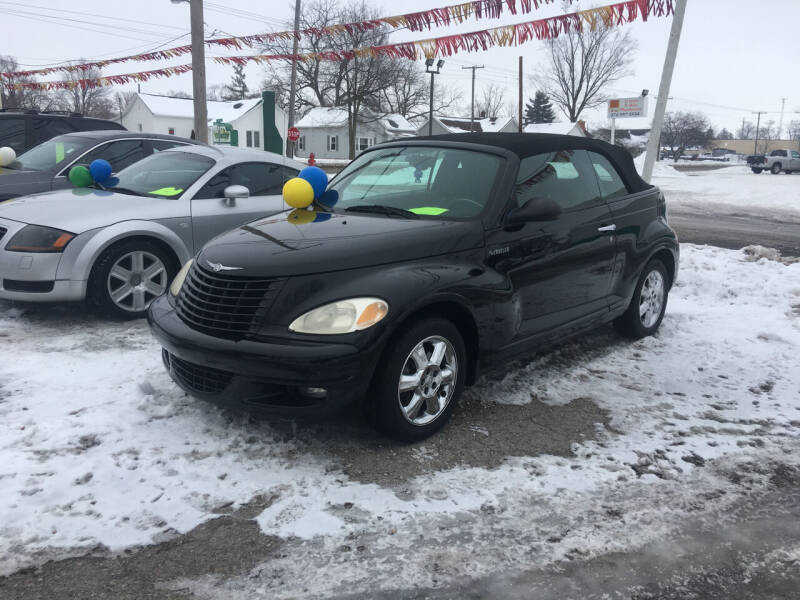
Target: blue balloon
317, 178
111, 182
323, 216
329, 198
100, 170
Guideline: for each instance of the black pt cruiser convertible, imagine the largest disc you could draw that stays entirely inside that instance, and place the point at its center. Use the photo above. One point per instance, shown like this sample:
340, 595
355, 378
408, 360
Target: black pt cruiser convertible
442, 256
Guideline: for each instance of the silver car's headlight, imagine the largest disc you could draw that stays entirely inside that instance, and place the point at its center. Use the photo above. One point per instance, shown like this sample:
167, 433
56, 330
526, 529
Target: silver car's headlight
177, 283
35, 238
344, 316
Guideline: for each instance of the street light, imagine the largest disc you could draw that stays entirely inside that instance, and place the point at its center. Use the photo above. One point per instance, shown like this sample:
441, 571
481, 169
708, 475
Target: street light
429, 69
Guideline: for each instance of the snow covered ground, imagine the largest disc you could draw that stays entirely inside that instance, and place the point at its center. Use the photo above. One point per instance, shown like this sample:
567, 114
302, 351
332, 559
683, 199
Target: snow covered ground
98, 447
729, 189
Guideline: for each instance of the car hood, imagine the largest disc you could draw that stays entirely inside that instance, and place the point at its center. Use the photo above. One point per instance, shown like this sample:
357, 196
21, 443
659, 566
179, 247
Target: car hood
276, 247
82, 209
19, 183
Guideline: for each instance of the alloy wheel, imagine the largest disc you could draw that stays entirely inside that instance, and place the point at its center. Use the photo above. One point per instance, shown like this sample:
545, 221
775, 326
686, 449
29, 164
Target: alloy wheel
427, 380
651, 298
136, 279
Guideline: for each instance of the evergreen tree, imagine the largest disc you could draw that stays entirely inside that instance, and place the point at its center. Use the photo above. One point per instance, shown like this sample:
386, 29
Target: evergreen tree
539, 110
237, 89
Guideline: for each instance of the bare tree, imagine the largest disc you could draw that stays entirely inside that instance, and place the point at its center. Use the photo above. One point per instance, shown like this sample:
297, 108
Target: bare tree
766, 133
85, 100
408, 93
747, 131
26, 97
684, 130
583, 63
793, 130
491, 101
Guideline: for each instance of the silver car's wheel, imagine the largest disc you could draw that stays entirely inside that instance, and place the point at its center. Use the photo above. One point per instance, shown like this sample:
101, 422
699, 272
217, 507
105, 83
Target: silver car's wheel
427, 380
135, 280
651, 298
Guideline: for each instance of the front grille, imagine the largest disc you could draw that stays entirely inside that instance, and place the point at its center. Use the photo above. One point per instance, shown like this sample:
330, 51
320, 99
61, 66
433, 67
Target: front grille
199, 379
224, 306
3, 231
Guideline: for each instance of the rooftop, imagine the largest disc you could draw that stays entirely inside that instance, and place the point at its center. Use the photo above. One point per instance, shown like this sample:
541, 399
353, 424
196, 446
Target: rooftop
169, 106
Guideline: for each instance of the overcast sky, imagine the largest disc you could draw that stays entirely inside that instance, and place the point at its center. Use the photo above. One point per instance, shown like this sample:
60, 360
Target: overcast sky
736, 56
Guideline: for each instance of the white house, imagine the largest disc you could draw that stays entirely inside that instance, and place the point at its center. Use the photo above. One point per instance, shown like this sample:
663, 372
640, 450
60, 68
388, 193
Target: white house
323, 131
444, 125
238, 122
567, 128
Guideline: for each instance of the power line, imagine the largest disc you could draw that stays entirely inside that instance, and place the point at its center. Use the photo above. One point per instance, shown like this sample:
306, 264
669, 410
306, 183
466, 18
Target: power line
73, 12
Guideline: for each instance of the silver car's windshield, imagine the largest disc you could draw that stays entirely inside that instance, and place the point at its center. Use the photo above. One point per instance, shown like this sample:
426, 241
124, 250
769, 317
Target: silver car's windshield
47, 155
164, 174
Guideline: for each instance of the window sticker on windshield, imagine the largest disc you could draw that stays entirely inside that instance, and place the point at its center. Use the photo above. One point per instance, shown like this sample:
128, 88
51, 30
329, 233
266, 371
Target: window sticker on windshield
564, 170
167, 191
428, 210
60, 152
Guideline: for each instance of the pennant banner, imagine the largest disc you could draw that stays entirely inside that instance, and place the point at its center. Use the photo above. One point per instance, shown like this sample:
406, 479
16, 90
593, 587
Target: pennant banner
417, 21
475, 41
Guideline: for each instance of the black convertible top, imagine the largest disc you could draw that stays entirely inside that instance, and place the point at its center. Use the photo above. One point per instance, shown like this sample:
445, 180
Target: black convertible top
528, 144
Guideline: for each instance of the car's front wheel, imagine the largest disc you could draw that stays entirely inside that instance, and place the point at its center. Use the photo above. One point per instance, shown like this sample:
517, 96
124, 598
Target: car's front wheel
420, 381
128, 277
649, 302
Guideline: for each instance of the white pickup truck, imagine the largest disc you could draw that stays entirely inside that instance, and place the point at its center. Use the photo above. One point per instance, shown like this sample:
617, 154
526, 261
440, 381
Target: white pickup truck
784, 159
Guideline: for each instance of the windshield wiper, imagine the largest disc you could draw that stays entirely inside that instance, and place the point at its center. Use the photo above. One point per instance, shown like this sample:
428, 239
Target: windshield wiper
382, 209
121, 190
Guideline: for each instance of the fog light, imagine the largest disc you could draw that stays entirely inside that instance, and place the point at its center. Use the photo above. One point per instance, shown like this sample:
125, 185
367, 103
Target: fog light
313, 392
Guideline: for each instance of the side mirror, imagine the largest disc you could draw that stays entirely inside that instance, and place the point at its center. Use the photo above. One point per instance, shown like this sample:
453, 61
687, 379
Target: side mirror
535, 209
233, 192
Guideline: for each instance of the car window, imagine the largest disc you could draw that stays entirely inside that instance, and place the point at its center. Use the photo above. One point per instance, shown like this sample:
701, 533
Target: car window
159, 145
795, 154
611, 184
778, 153
164, 174
45, 129
120, 154
12, 133
429, 181
566, 177
49, 154
262, 179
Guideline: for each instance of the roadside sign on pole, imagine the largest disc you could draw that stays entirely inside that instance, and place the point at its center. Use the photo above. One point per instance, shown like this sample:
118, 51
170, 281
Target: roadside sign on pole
293, 134
621, 108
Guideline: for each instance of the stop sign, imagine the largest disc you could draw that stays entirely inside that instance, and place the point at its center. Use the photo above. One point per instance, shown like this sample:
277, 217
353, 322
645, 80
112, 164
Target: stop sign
294, 134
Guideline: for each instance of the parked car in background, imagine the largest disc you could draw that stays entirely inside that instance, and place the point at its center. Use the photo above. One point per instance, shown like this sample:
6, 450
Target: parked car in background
120, 249
442, 256
45, 167
24, 129
784, 159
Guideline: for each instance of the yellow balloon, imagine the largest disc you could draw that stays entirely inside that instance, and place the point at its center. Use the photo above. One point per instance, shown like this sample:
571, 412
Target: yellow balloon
300, 216
298, 193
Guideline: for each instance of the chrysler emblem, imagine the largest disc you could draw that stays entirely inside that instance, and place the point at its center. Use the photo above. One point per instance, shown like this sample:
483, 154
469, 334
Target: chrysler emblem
217, 267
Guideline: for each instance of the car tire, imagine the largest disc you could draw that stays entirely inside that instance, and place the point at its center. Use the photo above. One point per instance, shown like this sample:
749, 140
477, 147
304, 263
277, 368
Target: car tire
646, 310
149, 269
757, 171
775, 169
788, 172
419, 360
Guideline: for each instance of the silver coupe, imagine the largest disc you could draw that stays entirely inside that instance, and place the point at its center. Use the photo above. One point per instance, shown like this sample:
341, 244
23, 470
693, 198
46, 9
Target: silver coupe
119, 249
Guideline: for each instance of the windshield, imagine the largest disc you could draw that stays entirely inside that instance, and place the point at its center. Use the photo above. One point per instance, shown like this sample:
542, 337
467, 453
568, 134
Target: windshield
431, 182
164, 174
47, 155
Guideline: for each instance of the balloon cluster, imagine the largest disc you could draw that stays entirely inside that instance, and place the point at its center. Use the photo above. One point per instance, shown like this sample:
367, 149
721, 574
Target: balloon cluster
7, 156
98, 172
308, 187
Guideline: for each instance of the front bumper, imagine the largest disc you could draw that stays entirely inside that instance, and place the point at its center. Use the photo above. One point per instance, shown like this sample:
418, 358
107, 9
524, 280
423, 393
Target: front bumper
272, 377
33, 277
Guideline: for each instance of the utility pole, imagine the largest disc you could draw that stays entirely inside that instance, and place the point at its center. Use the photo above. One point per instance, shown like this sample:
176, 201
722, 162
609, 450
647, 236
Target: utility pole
293, 83
663, 89
520, 94
199, 71
758, 129
780, 123
472, 109
429, 69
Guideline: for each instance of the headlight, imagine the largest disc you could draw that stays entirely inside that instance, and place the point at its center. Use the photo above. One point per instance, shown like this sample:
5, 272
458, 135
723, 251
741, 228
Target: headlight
344, 316
35, 238
177, 283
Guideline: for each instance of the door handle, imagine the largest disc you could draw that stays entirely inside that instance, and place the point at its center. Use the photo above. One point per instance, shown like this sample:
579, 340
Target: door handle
611, 227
